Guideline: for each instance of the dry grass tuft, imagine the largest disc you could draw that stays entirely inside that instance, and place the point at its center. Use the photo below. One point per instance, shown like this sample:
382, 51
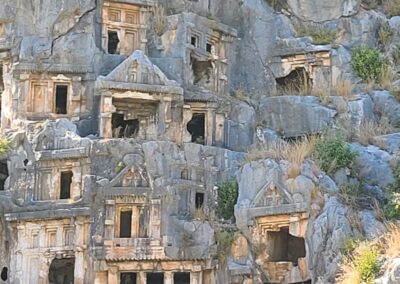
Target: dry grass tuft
390, 241
343, 88
295, 152
159, 20
371, 128
386, 77
392, 7
241, 95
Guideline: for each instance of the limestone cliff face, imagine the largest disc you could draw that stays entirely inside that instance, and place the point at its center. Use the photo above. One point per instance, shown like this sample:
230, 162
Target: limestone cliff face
127, 120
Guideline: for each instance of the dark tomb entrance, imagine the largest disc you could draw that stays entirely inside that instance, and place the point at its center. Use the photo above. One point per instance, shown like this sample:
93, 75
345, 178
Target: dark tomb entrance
62, 271
196, 128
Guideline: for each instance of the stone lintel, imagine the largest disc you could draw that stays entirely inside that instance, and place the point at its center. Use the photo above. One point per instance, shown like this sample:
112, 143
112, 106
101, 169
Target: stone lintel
48, 214
73, 153
126, 191
54, 68
278, 210
122, 86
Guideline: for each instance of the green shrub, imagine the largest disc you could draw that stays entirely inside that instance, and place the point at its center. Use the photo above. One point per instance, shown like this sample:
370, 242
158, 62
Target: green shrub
351, 189
121, 165
350, 244
392, 207
323, 36
319, 34
367, 265
367, 63
4, 145
334, 153
227, 197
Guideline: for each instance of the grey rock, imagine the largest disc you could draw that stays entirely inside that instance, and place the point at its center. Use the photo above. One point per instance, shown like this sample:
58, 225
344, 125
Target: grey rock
374, 165
388, 142
371, 226
387, 105
306, 115
324, 10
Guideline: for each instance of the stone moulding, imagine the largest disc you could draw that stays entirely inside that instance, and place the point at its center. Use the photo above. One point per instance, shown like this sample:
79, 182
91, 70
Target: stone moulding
112, 85
278, 210
48, 214
54, 68
74, 153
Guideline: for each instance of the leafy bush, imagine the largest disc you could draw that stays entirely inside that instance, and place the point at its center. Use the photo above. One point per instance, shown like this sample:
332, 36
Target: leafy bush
367, 63
392, 207
334, 153
4, 145
227, 197
350, 244
366, 263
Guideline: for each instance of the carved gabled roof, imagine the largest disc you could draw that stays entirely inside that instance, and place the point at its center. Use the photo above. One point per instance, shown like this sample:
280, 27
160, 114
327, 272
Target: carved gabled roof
138, 73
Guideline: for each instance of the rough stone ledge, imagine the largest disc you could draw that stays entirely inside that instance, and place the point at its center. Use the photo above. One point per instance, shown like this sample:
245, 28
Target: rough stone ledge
48, 214
278, 210
111, 85
74, 153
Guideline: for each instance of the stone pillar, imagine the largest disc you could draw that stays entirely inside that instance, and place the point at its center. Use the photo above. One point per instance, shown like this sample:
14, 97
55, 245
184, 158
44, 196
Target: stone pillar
113, 275
164, 114
168, 277
106, 110
135, 221
219, 129
141, 278
209, 127
195, 278
79, 271
187, 116
155, 219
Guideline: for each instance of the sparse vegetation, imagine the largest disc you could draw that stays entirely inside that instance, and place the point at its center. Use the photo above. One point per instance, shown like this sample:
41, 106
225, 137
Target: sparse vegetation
370, 4
371, 128
391, 7
160, 22
4, 145
294, 152
224, 240
396, 54
227, 197
392, 207
367, 63
361, 266
319, 34
334, 153
385, 35
350, 244
390, 243
343, 87
120, 166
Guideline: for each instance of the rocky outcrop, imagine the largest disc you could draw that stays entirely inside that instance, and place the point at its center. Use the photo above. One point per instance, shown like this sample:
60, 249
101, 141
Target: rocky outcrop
294, 116
324, 10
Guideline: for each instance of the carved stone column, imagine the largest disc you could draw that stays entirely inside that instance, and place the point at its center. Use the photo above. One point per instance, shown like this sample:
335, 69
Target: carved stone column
168, 278
106, 109
113, 275
141, 277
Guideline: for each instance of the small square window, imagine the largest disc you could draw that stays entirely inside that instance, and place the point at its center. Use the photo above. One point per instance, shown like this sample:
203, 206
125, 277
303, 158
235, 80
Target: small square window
194, 40
209, 47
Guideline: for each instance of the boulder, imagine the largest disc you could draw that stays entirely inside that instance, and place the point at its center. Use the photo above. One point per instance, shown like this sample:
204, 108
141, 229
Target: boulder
294, 116
387, 105
361, 109
373, 165
323, 10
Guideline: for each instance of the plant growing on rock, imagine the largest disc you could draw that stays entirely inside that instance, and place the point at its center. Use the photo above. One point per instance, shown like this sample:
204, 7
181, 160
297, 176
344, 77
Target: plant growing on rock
385, 35
396, 54
4, 145
367, 63
224, 240
227, 197
361, 266
318, 34
392, 7
334, 153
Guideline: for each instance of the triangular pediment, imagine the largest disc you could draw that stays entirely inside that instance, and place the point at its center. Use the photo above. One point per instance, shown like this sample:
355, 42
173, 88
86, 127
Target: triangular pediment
138, 69
272, 194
